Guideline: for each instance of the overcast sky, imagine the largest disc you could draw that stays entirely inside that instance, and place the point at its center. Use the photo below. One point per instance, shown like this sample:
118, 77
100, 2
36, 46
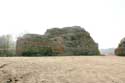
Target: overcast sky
104, 19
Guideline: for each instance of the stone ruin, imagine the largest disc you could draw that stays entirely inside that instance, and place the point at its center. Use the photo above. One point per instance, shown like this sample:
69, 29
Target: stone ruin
120, 50
58, 41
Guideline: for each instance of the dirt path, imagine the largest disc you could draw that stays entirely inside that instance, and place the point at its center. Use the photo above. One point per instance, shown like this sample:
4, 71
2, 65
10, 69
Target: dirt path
68, 69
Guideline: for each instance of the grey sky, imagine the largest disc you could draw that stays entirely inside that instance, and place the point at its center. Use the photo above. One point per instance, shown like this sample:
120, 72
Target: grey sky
104, 19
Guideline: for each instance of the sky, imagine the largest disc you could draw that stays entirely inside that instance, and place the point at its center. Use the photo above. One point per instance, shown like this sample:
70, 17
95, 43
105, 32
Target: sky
103, 19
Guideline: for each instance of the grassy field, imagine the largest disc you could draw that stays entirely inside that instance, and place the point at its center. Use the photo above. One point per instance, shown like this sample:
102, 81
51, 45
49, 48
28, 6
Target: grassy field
67, 69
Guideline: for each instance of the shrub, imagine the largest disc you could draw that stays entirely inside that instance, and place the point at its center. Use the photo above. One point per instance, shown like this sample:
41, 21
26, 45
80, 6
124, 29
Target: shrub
7, 53
38, 51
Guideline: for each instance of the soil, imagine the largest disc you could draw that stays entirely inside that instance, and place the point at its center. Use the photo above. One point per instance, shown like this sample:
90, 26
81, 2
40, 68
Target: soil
62, 69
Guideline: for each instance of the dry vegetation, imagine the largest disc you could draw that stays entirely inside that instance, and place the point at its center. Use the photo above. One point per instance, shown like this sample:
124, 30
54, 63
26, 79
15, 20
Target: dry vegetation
67, 69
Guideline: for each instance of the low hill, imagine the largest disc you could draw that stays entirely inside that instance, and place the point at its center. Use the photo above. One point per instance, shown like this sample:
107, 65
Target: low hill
73, 40
109, 51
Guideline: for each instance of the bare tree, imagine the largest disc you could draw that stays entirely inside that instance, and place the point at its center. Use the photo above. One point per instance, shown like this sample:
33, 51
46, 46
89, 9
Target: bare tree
6, 44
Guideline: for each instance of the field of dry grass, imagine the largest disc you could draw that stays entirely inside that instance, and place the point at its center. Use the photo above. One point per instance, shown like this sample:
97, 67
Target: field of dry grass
67, 69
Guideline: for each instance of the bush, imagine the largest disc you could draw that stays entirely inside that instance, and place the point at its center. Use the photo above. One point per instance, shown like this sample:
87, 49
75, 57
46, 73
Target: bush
7, 53
38, 51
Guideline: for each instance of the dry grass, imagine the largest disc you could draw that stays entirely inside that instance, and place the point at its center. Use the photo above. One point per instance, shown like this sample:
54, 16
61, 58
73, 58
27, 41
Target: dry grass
67, 69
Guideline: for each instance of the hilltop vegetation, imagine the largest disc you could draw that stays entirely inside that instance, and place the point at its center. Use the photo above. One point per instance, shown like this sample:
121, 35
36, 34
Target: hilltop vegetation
73, 40
66, 41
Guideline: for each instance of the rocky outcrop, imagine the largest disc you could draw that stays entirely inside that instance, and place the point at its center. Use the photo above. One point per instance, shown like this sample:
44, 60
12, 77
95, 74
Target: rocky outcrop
120, 50
58, 41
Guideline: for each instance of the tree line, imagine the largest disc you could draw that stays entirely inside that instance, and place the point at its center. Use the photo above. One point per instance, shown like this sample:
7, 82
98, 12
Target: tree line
7, 46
